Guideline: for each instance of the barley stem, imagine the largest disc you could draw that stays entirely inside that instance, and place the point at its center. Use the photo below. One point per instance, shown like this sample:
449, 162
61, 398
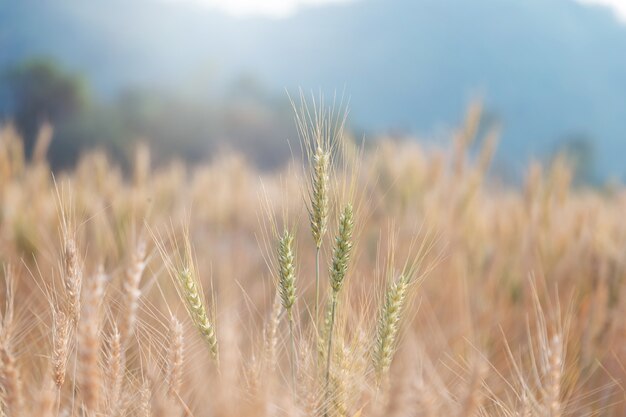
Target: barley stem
330, 336
317, 284
317, 301
293, 356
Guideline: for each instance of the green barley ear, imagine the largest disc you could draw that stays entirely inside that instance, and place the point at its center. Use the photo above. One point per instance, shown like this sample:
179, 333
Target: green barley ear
287, 275
389, 325
342, 249
320, 130
318, 211
338, 269
197, 310
287, 290
182, 271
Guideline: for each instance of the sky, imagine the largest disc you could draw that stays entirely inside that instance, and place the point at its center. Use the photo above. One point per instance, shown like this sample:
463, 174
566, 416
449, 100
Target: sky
287, 8
550, 72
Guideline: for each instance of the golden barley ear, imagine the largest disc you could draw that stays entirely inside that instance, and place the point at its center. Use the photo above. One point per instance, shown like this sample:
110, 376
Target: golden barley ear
131, 291
89, 342
270, 333
11, 387
144, 406
73, 277
115, 372
60, 345
174, 366
11, 383
554, 375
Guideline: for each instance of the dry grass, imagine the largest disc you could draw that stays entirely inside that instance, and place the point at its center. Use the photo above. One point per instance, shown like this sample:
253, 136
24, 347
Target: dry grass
122, 293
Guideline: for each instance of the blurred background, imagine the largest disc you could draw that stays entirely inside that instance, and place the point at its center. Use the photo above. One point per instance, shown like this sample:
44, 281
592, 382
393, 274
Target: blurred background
193, 77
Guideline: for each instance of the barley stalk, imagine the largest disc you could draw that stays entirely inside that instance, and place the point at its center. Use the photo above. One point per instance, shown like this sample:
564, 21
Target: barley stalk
525, 409
331, 325
424, 398
473, 398
46, 400
324, 333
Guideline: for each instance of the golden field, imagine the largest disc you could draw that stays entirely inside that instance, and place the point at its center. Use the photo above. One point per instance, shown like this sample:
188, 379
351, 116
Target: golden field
191, 290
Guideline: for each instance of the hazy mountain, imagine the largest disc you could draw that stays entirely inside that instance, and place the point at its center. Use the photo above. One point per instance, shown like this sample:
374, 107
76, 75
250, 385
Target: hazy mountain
548, 70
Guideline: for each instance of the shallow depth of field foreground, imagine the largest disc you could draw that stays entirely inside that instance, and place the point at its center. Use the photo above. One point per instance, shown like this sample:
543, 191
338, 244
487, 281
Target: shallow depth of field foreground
391, 281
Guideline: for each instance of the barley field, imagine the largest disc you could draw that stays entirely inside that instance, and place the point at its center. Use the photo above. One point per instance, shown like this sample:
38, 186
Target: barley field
391, 279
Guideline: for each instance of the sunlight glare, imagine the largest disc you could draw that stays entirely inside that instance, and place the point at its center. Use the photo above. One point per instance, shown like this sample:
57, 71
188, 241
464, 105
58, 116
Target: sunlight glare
267, 8
617, 6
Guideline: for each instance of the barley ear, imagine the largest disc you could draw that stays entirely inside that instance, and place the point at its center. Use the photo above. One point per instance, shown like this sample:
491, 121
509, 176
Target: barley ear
389, 325
197, 310
115, 371
338, 269
320, 156
318, 211
132, 291
10, 380
287, 289
144, 406
60, 343
89, 342
286, 272
174, 358
271, 333
554, 374
72, 278
342, 249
